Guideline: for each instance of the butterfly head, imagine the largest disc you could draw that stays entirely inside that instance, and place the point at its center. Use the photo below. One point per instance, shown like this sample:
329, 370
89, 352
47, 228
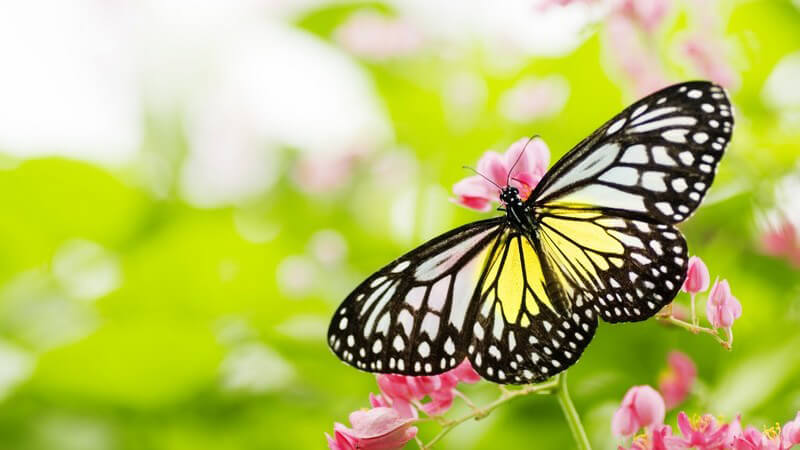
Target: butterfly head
510, 196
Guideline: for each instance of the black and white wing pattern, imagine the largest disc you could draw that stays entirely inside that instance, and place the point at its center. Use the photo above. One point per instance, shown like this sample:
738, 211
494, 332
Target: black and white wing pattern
413, 316
655, 160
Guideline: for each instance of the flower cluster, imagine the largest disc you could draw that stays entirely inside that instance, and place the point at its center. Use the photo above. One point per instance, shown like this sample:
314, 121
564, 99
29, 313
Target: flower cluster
722, 308
522, 166
402, 392
388, 425
643, 408
631, 26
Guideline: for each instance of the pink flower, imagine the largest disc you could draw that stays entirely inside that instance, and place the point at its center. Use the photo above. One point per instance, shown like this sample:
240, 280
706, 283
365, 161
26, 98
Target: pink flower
752, 439
659, 438
404, 408
708, 57
782, 240
477, 193
377, 37
641, 407
791, 432
697, 277
638, 63
722, 307
533, 98
676, 384
648, 13
401, 390
376, 429
705, 433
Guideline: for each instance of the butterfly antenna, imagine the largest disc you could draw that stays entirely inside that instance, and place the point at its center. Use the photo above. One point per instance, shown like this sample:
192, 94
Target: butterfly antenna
508, 178
482, 176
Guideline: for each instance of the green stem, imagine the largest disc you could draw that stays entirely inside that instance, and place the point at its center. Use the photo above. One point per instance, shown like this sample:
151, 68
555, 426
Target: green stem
571, 414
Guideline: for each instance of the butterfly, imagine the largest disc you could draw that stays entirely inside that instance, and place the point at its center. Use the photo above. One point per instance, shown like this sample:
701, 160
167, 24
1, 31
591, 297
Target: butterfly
521, 294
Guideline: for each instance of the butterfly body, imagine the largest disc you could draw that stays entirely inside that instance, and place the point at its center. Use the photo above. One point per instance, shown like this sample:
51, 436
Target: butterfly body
521, 294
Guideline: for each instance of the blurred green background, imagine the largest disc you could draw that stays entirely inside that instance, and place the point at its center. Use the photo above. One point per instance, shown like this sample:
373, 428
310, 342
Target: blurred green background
167, 270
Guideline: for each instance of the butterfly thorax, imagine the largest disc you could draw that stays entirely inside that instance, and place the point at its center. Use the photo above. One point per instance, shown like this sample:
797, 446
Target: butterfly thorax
517, 211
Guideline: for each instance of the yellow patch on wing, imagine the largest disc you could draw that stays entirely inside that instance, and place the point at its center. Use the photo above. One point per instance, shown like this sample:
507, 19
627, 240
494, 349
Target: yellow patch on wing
571, 260
588, 234
511, 282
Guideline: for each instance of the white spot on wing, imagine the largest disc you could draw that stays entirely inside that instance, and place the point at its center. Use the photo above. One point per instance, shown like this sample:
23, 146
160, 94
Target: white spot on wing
677, 135
626, 176
635, 154
616, 126
664, 123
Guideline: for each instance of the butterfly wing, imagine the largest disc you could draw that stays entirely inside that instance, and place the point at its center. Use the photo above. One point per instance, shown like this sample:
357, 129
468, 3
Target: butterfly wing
653, 161
527, 327
414, 316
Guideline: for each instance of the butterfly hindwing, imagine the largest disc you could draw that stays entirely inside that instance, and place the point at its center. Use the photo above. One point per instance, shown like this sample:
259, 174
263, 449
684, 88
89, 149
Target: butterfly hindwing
411, 317
526, 330
625, 269
655, 160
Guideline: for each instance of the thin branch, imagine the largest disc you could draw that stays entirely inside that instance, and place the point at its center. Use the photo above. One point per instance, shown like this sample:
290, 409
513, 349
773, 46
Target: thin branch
480, 413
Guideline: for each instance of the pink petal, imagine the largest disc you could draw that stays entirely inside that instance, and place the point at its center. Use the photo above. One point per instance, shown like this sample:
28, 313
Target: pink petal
697, 277
624, 423
791, 432
492, 165
466, 373
440, 402
649, 406
641, 407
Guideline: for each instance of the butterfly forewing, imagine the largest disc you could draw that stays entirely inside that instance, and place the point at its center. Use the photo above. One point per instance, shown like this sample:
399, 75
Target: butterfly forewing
412, 316
654, 161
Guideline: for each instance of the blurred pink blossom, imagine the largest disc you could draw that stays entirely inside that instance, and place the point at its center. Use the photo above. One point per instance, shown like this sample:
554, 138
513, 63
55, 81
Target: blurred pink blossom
722, 307
401, 390
319, 174
639, 64
534, 98
697, 277
641, 407
647, 13
377, 37
477, 193
791, 432
782, 240
708, 57
676, 384
376, 429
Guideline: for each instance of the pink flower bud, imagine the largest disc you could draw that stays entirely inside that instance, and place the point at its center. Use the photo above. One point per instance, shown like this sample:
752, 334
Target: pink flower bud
722, 307
641, 407
697, 277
